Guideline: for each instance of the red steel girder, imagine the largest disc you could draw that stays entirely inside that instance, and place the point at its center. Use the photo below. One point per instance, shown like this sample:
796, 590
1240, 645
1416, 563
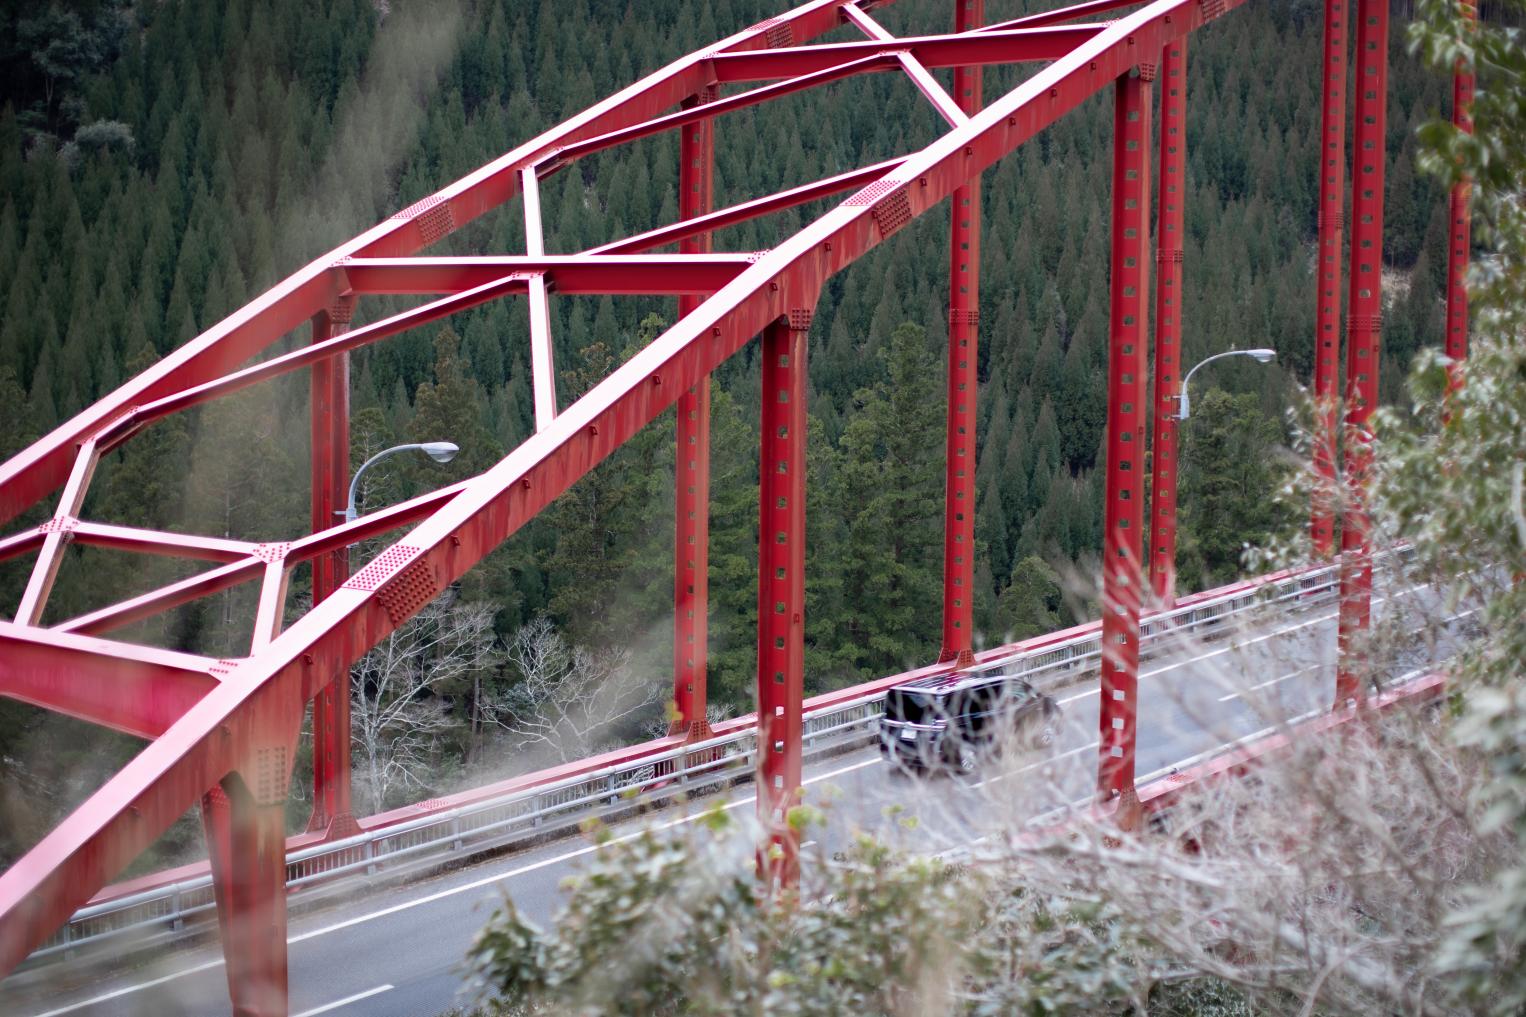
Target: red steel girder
34, 599
691, 485
616, 274
1363, 341
43, 466
329, 386
1122, 546
159, 542
146, 605
747, 210
781, 590
1160, 527
963, 384
975, 49
312, 355
1063, 14
542, 353
242, 715
244, 820
836, 71
138, 690
1460, 218
1327, 320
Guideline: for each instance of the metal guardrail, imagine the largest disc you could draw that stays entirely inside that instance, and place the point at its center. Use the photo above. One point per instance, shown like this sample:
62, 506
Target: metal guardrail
542, 810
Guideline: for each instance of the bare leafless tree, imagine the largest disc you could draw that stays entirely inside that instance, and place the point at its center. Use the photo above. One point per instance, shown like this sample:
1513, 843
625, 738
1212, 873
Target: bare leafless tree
569, 699
399, 716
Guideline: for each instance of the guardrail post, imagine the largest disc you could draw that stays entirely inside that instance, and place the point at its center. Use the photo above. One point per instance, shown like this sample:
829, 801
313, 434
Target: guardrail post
781, 590
177, 920
691, 584
963, 348
368, 855
1123, 546
455, 832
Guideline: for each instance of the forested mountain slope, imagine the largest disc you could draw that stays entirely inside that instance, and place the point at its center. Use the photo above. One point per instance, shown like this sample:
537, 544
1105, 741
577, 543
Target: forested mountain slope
161, 163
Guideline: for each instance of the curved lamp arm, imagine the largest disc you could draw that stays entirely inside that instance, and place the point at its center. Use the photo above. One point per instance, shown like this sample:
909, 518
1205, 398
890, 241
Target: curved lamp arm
439, 451
1262, 356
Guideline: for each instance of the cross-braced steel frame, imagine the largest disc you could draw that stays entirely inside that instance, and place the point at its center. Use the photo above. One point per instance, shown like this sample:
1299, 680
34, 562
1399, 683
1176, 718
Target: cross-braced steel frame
222, 732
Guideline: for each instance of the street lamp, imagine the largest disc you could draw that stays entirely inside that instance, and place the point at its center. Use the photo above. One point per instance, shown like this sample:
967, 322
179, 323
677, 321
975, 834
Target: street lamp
1262, 356
439, 451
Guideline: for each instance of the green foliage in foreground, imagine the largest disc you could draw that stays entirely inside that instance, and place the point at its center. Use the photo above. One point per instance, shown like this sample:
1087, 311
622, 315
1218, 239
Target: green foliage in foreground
661, 925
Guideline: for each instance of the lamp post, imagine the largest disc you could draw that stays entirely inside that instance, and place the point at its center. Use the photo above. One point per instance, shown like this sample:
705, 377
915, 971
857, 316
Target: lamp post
439, 451
1262, 356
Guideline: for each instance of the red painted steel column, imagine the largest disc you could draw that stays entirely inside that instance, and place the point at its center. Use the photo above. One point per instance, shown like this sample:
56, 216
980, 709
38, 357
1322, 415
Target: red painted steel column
1327, 318
330, 385
246, 843
1363, 340
1172, 182
963, 346
1462, 223
1122, 546
691, 554
781, 590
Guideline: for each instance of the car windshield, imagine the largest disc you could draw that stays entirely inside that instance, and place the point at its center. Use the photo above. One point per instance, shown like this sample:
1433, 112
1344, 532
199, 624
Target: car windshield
910, 707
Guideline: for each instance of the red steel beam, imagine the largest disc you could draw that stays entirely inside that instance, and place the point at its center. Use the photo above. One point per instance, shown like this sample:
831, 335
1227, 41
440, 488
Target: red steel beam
34, 599
1063, 14
781, 591
1122, 546
160, 542
312, 355
748, 210
963, 383
21, 543
1160, 528
329, 401
1327, 320
615, 274
244, 821
542, 354
164, 598
691, 513
1461, 219
1363, 342
42, 467
990, 47
835, 70
138, 690
920, 76
226, 727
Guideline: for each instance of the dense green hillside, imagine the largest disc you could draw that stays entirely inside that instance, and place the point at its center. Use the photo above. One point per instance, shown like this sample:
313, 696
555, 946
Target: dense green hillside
161, 163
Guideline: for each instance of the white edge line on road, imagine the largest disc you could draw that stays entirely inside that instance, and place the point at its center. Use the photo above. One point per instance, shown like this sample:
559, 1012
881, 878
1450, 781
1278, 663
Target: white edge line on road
440, 895
106, 997
1250, 642
346, 1001
1272, 681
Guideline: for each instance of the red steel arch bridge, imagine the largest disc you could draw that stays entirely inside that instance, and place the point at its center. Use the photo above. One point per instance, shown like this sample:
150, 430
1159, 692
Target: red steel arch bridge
222, 733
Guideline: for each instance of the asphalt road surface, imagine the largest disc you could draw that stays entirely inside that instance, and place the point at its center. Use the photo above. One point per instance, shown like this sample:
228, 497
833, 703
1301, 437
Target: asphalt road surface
399, 951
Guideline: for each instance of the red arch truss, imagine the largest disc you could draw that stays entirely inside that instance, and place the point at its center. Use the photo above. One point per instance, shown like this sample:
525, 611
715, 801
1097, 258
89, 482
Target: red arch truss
223, 732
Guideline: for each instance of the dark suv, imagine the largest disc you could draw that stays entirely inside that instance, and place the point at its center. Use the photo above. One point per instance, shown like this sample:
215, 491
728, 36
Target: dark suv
958, 722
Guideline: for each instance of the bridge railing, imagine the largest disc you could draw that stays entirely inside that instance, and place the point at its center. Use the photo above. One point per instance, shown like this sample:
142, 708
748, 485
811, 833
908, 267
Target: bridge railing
540, 809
